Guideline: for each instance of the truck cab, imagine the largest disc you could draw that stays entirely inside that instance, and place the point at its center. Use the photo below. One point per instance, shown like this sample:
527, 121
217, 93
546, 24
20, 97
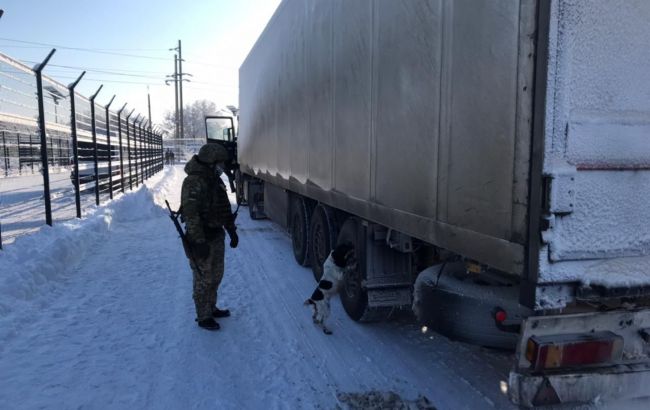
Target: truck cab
221, 130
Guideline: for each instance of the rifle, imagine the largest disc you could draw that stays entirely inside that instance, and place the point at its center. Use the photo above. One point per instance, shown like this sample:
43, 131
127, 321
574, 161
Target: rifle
186, 243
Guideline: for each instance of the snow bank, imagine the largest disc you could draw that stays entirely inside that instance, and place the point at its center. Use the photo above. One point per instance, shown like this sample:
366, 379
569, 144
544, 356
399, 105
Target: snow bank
31, 265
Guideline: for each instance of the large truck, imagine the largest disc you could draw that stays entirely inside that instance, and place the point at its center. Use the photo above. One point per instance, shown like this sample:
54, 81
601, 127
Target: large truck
488, 160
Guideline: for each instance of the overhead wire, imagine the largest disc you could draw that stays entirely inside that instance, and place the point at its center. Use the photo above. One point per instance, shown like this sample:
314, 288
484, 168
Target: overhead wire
107, 51
87, 50
118, 73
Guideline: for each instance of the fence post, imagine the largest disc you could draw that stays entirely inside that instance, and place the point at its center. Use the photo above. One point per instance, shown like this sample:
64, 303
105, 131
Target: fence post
136, 150
140, 173
152, 156
138, 159
143, 153
60, 153
20, 163
154, 153
161, 160
156, 150
94, 133
4, 148
75, 153
119, 138
162, 152
147, 151
110, 152
41, 123
128, 146
141, 149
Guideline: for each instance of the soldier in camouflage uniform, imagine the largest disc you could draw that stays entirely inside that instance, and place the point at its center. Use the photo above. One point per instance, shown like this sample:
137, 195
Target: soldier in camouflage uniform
206, 211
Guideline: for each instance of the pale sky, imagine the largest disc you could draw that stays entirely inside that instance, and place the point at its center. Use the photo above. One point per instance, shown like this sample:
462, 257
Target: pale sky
216, 37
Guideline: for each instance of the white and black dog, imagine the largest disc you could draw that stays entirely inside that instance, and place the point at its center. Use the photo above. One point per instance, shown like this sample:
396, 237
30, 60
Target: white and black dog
328, 285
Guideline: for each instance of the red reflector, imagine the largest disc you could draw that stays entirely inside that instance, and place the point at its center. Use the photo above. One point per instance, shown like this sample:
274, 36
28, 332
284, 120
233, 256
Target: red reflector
574, 350
500, 316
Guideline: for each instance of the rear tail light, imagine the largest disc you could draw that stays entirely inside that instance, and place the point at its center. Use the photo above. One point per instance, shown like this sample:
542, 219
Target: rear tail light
573, 350
500, 315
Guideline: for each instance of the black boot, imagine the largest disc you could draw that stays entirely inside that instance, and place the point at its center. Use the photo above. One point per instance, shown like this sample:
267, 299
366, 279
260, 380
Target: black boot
216, 312
209, 324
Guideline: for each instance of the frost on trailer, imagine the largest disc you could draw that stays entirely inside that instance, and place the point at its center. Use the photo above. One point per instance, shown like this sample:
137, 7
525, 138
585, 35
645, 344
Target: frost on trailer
597, 149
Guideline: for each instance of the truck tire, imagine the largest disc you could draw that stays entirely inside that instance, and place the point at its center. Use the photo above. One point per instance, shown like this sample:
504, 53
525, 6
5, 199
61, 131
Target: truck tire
239, 188
300, 220
353, 296
323, 233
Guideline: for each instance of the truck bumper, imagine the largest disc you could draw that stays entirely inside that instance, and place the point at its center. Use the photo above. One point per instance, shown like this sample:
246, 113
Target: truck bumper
623, 376
620, 382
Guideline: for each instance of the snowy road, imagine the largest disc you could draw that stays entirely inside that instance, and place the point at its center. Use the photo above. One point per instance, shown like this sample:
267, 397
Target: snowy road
116, 329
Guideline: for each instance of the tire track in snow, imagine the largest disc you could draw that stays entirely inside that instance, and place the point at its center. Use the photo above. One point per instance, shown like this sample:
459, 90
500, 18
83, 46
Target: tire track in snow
357, 335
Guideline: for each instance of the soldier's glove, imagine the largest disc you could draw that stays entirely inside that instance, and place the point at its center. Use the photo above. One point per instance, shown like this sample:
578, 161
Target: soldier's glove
201, 250
234, 239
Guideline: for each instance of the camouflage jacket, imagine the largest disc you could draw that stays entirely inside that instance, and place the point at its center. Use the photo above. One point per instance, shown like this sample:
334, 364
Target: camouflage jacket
204, 202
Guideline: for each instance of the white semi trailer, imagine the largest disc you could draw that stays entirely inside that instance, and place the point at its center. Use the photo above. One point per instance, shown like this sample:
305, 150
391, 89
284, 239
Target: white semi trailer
488, 160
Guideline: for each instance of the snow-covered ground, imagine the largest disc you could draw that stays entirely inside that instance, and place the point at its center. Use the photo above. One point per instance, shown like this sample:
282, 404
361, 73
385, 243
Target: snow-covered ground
22, 208
98, 313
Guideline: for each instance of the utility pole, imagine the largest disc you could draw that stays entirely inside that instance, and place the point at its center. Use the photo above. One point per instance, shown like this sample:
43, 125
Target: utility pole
178, 81
180, 85
175, 77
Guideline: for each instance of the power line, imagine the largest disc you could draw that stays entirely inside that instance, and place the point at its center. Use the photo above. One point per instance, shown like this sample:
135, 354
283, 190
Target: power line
44, 45
191, 61
153, 84
120, 74
154, 78
109, 51
64, 71
88, 50
117, 70
109, 81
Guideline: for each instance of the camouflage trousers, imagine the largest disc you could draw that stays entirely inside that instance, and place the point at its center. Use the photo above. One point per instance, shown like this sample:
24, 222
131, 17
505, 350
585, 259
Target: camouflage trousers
207, 276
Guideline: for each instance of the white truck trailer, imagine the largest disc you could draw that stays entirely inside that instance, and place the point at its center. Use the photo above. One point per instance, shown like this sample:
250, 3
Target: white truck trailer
489, 161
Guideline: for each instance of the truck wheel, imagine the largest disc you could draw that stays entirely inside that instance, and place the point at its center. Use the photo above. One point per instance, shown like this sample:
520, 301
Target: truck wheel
239, 188
255, 201
353, 296
299, 225
323, 237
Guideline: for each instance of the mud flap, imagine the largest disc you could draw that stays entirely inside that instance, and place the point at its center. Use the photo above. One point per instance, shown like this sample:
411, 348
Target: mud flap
388, 271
